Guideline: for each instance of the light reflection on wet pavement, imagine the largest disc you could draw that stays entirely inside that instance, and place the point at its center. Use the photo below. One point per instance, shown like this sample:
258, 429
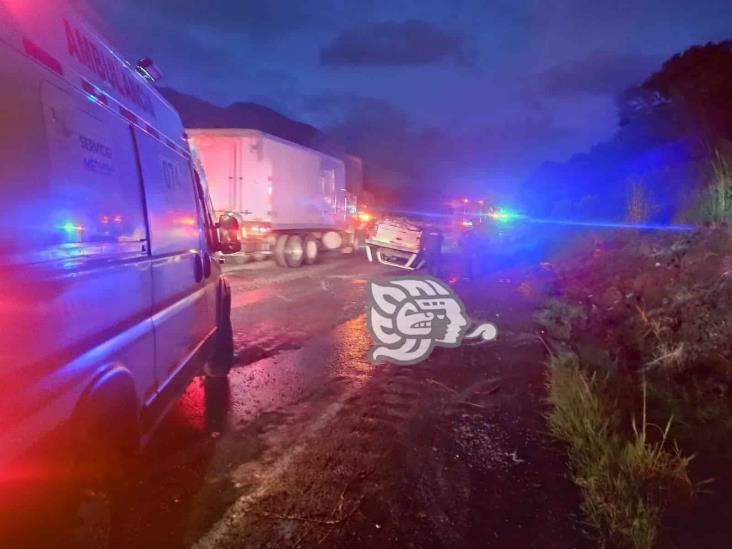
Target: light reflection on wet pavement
293, 337
306, 426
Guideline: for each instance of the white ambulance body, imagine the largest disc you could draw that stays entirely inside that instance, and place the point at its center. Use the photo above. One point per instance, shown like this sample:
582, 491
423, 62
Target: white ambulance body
111, 298
279, 190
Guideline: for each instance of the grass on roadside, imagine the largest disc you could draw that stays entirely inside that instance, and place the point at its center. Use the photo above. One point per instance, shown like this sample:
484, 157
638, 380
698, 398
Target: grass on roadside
626, 482
559, 318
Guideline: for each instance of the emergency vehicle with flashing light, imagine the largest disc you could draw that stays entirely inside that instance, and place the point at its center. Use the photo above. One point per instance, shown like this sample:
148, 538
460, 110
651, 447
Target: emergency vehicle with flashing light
112, 299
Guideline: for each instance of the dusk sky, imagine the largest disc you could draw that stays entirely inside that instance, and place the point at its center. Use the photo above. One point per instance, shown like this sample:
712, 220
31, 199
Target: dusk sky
494, 87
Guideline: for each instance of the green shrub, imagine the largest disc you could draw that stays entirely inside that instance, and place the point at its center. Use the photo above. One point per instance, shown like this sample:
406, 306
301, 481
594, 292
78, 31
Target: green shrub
714, 202
636, 201
557, 317
625, 482
702, 413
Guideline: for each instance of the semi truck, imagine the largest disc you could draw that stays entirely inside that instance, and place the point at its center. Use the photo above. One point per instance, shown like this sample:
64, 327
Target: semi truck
292, 202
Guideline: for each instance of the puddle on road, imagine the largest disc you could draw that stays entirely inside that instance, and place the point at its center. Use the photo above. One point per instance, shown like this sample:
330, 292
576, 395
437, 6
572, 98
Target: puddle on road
292, 371
220, 425
243, 299
259, 351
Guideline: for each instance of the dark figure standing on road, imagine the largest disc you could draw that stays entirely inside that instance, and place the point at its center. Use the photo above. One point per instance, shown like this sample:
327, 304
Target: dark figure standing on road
432, 245
469, 250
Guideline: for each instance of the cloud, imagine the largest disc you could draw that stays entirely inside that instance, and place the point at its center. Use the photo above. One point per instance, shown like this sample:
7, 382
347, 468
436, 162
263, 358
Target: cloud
354, 111
409, 162
598, 73
255, 18
393, 43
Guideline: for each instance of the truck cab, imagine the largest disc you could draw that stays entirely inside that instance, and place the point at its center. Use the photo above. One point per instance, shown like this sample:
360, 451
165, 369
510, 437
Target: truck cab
113, 297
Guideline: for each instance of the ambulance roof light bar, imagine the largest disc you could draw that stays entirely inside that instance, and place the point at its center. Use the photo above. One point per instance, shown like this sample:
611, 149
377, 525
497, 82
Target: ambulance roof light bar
147, 68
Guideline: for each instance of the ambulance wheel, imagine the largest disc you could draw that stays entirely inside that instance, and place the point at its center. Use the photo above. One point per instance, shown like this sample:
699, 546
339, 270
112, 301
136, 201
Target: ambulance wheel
105, 471
279, 250
312, 250
91, 523
294, 251
223, 358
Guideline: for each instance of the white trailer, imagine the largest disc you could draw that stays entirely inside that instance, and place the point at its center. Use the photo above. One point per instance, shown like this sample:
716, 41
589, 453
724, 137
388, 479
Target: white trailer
291, 201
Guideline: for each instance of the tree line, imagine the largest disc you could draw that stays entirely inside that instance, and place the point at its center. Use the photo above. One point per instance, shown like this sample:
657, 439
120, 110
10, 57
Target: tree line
670, 159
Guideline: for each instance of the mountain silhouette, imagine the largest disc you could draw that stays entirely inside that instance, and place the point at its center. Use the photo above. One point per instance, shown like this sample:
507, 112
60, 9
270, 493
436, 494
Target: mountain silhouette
197, 113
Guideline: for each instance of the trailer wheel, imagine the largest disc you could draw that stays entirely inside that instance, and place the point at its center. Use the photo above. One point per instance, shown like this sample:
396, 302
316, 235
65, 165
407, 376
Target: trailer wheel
279, 250
332, 240
312, 251
294, 251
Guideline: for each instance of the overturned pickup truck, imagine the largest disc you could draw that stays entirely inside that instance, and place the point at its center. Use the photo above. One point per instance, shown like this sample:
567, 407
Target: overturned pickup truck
396, 241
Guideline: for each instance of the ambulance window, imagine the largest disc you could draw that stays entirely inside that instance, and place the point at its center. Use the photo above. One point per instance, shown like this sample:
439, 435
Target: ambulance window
204, 203
94, 193
171, 202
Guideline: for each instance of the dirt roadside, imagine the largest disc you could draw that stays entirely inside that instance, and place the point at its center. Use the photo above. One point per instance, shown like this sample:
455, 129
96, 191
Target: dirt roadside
450, 453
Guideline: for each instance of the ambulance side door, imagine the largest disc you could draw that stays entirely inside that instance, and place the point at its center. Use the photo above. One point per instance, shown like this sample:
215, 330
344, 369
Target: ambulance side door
183, 315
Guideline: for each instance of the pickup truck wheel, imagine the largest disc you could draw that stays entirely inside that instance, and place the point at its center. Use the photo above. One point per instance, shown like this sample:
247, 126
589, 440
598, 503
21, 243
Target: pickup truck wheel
294, 251
279, 250
312, 250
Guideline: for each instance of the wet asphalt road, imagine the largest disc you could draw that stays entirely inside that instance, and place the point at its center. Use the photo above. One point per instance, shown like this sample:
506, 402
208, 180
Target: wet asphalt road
294, 333
308, 445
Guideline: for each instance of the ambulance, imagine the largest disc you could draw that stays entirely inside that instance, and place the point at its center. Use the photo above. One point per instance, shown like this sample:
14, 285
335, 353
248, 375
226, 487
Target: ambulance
112, 294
